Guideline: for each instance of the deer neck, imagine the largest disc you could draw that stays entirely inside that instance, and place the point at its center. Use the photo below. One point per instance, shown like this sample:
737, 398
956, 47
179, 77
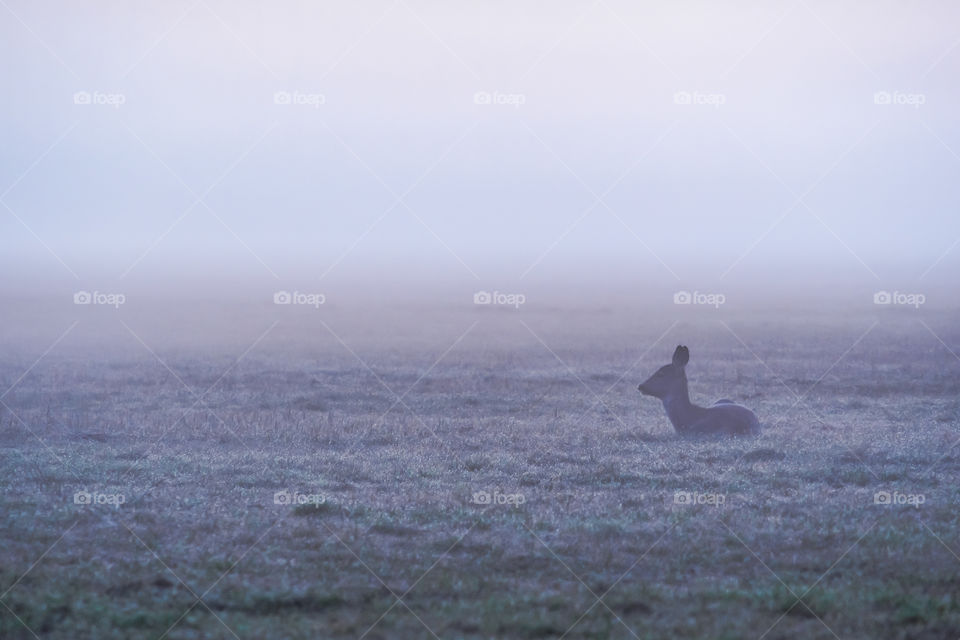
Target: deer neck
680, 410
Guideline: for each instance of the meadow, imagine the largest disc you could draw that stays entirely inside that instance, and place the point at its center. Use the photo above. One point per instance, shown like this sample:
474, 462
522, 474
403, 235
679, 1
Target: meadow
280, 472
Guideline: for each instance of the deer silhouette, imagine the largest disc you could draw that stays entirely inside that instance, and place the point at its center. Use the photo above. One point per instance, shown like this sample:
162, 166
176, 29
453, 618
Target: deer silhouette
725, 417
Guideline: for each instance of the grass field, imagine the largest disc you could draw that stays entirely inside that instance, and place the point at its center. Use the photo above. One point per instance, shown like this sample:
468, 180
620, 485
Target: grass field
295, 473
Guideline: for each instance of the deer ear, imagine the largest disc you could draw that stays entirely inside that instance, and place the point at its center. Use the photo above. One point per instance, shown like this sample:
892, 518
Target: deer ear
681, 356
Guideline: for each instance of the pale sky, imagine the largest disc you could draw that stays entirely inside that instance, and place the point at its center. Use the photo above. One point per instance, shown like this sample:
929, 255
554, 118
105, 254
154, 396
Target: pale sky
729, 140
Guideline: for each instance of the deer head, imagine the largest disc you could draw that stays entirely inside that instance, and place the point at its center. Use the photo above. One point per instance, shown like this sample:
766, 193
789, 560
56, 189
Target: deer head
669, 379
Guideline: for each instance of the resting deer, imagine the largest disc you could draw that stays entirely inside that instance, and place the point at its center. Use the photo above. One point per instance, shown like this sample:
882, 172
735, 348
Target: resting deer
725, 417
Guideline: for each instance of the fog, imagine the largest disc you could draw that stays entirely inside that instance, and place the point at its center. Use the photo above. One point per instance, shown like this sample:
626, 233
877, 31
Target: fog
406, 145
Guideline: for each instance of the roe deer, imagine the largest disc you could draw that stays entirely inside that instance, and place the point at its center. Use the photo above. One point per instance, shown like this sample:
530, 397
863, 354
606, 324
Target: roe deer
725, 417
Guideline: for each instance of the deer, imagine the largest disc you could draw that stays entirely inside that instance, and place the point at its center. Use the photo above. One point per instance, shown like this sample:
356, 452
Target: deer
725, 417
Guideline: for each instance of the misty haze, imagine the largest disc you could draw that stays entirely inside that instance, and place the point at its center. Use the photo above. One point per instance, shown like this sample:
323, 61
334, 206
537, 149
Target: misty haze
487, 320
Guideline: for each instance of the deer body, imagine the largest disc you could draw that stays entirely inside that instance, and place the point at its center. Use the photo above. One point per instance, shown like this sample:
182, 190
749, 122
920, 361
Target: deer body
669, 383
